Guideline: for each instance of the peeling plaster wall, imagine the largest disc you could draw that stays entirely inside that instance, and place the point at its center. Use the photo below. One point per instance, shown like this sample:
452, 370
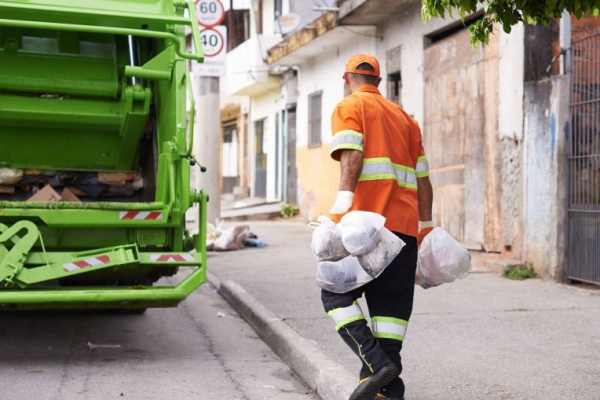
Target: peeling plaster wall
545, 165
510, 130
512, 195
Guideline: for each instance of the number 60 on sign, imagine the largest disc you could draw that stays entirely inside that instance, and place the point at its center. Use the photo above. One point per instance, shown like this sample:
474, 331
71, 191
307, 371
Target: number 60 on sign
210, 12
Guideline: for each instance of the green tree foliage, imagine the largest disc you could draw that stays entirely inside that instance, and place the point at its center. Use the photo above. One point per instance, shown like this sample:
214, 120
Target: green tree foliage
507, 12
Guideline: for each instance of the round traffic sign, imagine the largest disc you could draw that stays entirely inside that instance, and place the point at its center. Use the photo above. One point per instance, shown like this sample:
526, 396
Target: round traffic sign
210, 12
212, 42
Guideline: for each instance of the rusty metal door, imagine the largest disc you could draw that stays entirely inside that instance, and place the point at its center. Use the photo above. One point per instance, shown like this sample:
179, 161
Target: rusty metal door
460, 133
584, 162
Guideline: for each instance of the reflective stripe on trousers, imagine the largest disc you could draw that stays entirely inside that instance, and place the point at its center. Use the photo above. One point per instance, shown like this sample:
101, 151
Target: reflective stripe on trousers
389, 328
345, 315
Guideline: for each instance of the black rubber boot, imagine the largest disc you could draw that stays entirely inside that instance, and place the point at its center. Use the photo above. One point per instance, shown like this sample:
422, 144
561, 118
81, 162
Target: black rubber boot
368, 388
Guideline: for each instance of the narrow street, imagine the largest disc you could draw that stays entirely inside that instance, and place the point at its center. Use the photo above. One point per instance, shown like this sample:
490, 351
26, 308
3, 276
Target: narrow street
201, 350
144, 139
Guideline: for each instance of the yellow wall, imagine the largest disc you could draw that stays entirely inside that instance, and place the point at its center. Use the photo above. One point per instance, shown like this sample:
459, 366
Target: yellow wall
229, 113
319, 178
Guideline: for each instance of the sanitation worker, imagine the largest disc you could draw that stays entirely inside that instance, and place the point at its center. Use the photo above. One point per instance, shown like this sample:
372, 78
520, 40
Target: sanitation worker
383, 170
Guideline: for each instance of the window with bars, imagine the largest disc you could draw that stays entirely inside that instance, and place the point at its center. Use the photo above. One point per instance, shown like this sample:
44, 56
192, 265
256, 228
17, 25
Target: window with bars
314, 119
394, 86
394, 78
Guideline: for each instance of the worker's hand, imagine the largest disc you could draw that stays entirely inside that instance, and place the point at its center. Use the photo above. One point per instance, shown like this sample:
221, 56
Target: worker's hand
424, 228
341, 206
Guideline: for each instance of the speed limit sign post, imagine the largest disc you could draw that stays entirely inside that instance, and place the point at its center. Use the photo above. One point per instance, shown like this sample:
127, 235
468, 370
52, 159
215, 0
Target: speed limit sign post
214, 44
213, 36
210, 12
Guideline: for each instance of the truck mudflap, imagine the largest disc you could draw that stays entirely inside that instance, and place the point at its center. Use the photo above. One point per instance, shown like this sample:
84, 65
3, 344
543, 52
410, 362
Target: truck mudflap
21, 269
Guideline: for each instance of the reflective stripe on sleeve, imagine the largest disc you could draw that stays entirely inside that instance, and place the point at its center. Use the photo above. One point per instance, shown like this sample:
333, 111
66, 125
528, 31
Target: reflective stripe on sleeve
422, 167
347, 139
389, 328
345, 315
382, 168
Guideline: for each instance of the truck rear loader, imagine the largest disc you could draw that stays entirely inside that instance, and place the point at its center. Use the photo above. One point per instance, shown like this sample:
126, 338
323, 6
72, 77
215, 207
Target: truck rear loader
96, 120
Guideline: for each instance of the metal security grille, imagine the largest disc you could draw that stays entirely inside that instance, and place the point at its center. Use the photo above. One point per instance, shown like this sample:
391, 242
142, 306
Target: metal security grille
584, 162
314, 119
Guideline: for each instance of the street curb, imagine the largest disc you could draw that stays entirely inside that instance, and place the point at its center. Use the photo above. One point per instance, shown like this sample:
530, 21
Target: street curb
327, 378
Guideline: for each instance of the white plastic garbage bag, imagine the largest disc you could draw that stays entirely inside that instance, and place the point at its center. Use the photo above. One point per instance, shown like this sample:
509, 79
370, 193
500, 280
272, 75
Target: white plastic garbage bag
10, 176
379, 257
341, 276
441, 259
326, 241
353, 252
360, 231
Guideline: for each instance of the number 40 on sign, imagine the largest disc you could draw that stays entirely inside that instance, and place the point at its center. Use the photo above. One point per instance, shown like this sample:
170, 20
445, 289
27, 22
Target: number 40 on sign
213, 40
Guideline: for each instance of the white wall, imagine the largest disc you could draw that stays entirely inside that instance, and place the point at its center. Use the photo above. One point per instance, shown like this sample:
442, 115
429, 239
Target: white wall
268, 17
305, 9
510, 85
267, 106
324, 73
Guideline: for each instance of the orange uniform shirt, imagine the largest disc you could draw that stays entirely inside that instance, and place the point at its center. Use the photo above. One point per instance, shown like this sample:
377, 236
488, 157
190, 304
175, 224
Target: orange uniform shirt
393, 154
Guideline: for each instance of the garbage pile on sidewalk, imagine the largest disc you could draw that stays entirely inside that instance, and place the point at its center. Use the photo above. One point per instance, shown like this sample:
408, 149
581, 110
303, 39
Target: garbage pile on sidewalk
232, 238
44, 185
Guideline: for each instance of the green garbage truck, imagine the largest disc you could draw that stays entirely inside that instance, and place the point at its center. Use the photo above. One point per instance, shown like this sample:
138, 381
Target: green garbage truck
96, 120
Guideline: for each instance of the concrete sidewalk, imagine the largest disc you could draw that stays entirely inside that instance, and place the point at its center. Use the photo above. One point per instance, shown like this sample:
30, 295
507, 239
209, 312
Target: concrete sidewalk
484, 337
249, 208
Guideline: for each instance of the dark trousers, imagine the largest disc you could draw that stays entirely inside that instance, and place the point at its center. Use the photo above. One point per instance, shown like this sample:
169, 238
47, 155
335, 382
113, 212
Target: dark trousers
390, 295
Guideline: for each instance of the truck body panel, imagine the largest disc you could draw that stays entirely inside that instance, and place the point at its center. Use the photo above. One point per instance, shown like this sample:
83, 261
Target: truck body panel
91, 91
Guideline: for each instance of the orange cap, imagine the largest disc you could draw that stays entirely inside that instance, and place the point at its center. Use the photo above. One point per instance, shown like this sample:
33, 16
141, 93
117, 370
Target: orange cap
360, 58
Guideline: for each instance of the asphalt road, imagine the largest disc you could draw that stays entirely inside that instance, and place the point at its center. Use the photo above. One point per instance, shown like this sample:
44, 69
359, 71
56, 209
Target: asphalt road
200, 350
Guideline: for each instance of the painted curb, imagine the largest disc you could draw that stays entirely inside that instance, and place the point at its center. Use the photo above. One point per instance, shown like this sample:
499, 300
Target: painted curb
327, 378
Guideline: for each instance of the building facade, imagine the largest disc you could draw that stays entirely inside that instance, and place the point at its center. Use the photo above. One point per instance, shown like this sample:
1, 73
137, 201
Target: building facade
496, 119
271, 122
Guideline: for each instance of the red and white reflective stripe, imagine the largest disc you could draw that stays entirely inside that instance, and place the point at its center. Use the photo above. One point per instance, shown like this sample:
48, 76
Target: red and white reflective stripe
181, 257
88, 262
140, 215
